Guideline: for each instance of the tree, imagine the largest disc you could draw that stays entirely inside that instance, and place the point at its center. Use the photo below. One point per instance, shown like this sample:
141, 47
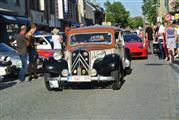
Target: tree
116, 13
149, 9
135, 22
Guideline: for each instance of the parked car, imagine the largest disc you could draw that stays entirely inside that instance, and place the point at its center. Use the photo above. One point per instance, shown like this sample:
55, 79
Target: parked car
4, 67
44, 46
138, 47
94, 54
12, 55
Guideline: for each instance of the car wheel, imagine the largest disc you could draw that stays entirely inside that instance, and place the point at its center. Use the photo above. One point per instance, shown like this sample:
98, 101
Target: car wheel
47, 85
119, 79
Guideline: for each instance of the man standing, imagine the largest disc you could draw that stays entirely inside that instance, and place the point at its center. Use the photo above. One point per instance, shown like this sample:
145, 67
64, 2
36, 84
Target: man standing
149, 36
33, 55
22, 51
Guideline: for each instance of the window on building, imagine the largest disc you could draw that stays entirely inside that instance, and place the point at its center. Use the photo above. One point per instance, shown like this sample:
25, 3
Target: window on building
4, 1
52, 6
32, 4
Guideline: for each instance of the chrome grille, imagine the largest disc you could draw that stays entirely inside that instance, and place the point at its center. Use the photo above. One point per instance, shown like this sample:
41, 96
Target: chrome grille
80, 62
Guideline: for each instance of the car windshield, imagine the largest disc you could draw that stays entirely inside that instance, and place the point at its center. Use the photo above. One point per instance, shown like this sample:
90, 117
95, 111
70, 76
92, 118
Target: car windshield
6, 48
90, 38
132, 38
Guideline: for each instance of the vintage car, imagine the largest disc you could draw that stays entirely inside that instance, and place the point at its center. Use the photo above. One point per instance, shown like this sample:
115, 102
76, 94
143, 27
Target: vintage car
94, 53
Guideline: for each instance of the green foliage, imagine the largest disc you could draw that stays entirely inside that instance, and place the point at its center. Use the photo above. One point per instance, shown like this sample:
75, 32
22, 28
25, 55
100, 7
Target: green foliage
116, 13
149, 9
135, 22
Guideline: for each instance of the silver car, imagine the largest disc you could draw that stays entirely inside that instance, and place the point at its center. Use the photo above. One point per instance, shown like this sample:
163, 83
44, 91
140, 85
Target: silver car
9, 54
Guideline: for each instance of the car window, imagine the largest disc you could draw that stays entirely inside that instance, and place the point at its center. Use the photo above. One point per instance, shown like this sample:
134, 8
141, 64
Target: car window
90, 38
6, 48
40, 40
49, 39
132, 38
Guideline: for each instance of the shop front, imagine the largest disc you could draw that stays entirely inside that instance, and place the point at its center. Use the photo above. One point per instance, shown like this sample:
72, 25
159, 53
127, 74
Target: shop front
10, 24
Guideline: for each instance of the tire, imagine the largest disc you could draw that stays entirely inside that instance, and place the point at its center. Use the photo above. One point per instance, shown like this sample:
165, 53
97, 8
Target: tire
47, 85
119, 79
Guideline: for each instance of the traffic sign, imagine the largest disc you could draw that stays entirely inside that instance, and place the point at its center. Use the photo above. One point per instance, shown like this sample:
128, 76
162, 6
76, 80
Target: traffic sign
168, 17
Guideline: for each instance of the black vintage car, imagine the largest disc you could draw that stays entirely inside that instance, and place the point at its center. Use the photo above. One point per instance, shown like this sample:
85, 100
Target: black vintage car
93, 54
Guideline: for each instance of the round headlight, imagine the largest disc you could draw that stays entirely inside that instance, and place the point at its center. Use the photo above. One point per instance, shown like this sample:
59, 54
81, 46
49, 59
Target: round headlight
65, 72
101, 54
57, 55
8, 58
93, 72
2, 58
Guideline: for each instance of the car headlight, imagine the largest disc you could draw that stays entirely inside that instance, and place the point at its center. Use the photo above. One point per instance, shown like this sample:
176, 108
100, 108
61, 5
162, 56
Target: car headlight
2, 58
7, 58
101, 54
57, 55
19, 64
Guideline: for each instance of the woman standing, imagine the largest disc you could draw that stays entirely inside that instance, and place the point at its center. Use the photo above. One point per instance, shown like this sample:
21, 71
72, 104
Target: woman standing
171, 41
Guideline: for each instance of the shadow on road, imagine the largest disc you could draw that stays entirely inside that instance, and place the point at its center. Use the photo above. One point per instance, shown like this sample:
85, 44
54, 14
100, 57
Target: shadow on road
88, 86
154, 64
7, 85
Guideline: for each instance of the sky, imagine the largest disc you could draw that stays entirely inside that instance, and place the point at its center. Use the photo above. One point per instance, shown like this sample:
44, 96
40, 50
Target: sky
133, 6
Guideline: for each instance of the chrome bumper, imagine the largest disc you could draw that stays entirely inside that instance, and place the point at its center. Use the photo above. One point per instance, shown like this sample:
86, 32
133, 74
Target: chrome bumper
98, 79
4, 70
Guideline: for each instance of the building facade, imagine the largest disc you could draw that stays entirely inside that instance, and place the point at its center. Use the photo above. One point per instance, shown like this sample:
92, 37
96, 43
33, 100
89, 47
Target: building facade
11, 18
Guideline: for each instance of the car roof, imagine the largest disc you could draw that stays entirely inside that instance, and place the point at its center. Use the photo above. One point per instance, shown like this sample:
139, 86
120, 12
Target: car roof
43, 35
97, 27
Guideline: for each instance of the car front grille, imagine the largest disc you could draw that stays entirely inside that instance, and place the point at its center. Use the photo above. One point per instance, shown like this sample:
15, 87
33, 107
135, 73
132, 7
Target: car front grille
80, 62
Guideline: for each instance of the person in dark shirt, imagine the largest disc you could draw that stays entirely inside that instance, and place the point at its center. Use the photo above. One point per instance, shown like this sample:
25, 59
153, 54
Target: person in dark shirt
149, 36
33, 55
22, 44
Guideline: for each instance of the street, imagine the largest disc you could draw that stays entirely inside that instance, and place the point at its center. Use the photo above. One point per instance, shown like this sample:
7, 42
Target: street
151, 92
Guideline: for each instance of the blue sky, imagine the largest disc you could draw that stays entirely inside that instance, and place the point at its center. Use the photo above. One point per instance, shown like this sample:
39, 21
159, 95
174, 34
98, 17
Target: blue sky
133, 6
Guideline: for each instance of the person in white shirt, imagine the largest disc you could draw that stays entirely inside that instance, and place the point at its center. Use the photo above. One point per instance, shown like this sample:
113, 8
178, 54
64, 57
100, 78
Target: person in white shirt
161, 38
57, 39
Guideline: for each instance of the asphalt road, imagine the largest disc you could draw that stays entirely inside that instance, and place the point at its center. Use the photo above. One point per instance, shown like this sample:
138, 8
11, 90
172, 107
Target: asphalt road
151, 92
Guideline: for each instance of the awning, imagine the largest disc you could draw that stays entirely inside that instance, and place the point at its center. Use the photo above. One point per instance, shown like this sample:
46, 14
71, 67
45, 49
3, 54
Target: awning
14, 19
23, 20
8, 18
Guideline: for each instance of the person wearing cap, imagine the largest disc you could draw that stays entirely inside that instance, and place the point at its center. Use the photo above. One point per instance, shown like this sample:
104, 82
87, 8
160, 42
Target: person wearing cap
22, 44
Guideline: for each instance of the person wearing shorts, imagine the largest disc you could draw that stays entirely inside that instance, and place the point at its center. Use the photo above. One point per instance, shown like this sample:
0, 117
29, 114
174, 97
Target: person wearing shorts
171, 41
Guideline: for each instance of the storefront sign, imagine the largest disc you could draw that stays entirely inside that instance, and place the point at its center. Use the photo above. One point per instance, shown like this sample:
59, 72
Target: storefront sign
168, 17
66, 6
59, 9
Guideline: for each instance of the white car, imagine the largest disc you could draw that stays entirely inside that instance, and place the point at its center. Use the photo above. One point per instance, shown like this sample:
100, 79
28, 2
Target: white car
44, 41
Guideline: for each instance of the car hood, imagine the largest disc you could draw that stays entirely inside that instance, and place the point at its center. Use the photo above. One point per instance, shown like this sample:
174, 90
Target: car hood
13, 55
90, 48
133, 45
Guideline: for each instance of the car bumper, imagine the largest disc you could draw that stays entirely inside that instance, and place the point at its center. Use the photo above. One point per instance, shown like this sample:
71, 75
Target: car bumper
139, 53
4, 70
98, 79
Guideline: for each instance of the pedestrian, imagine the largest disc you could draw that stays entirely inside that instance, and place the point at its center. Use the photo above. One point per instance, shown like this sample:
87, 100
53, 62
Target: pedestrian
171, 40
33, 55
161, 36
57, 39
22, 44
177, 41
149, 36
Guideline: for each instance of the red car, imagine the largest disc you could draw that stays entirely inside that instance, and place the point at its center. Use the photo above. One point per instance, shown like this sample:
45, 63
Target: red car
137, 46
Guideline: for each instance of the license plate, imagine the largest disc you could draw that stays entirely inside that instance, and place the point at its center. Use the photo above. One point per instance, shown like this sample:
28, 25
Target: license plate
54, 84
79, 79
